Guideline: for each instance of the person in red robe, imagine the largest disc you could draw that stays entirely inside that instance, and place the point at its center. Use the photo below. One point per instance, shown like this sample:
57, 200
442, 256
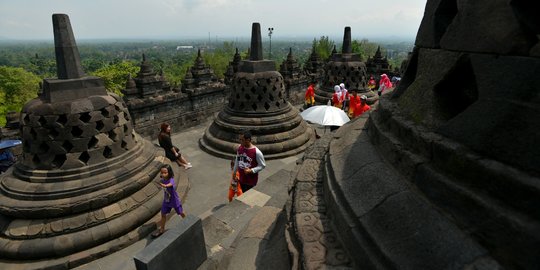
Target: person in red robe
336, 97
371, 83
361, 107
310, 95
354, 99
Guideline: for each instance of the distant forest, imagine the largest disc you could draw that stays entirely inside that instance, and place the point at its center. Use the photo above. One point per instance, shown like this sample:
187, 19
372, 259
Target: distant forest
24, 65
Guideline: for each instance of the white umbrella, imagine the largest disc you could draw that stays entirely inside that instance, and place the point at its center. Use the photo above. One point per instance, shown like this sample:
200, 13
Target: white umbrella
325, 115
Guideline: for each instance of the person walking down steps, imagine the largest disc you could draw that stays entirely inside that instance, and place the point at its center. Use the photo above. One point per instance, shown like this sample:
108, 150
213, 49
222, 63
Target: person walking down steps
171, 200
249, 162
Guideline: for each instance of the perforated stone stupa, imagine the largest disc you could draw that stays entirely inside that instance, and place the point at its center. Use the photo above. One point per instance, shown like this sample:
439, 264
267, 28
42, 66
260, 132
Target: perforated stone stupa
378, 64
199, 75
85, 179
345, 67
232, 68
314, 66
257, 103
147, 83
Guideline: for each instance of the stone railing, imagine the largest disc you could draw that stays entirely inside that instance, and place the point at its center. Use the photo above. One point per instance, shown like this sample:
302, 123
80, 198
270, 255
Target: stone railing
179, 109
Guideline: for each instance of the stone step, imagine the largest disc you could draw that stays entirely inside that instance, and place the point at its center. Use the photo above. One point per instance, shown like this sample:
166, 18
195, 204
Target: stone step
237, 233
312, 241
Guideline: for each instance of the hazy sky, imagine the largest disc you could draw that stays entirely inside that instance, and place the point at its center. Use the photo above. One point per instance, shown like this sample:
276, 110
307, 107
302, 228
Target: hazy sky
31, 19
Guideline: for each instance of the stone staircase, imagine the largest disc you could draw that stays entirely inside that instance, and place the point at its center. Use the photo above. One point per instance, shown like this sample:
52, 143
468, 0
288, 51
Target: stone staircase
353, 208
248, 233
313, 243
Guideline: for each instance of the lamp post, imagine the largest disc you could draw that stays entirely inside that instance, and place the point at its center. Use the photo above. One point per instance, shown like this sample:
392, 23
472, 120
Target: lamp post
270, 31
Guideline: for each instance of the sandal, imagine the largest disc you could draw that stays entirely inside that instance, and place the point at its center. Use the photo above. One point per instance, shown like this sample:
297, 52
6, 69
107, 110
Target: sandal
157, 234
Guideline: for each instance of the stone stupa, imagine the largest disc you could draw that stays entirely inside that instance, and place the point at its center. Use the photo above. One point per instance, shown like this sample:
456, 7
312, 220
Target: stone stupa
314, 66
345, 67
257, 103
85, 185
445, 173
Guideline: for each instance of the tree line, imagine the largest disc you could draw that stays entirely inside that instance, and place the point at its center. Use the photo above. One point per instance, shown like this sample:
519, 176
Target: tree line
24, 66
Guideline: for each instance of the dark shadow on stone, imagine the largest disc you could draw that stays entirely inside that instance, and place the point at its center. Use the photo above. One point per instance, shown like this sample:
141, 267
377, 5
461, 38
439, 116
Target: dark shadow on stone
146, 230
217, 207
526, 13
437, 17
457, 91
273, 253
445, 14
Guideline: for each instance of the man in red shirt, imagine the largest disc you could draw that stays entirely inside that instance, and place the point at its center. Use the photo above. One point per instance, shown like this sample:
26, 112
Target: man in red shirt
361, 107
249, 162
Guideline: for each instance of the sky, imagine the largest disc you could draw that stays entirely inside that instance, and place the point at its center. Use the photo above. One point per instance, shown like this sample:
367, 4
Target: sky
215, 19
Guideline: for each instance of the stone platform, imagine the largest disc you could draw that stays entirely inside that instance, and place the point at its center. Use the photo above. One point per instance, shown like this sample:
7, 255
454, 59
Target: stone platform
353, 206
110, 247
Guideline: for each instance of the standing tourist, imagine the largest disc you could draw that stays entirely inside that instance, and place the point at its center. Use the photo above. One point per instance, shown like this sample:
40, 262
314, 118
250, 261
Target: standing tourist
384, 84
344, 97
336, 97
310, 95
249, 162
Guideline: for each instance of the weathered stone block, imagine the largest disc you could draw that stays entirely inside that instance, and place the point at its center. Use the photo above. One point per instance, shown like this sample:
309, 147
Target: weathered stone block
163, 252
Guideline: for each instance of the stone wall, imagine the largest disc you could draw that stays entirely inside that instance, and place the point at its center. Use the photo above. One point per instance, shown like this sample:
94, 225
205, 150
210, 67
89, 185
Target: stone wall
180, 110
295, 89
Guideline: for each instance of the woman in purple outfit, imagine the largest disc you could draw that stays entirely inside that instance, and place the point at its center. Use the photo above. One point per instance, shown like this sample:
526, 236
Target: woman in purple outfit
170, 200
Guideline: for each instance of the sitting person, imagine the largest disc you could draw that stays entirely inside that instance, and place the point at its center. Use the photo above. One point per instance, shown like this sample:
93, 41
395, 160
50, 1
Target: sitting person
371, 83
361, 107
6, 159
171, 152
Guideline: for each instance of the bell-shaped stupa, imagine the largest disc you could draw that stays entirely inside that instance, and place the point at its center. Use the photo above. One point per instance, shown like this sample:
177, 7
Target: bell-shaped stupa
85, 185
345, 67
257, 103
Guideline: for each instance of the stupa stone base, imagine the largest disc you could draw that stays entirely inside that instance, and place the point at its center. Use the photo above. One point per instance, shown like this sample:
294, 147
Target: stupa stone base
278, 135
102, 203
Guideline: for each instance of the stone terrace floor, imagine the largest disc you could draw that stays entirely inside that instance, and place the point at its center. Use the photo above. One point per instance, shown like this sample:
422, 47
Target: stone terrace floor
209, 182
